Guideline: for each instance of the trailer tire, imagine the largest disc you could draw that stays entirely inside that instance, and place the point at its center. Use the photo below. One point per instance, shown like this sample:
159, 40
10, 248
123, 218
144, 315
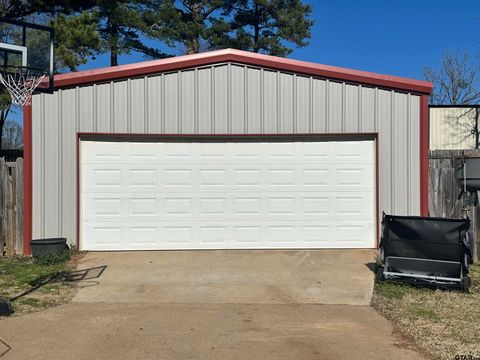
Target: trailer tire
465, 284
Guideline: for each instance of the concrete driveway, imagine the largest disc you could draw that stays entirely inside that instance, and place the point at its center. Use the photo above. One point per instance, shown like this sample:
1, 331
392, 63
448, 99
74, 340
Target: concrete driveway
232, 277
214, 305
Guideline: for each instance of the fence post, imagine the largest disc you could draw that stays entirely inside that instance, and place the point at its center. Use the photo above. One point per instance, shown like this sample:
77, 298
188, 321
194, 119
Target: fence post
10, 215
19, 206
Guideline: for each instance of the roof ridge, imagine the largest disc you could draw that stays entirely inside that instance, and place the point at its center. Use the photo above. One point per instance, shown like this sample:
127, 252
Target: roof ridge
245, 57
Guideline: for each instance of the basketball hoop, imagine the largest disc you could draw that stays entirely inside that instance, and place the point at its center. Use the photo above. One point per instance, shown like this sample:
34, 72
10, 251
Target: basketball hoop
20, 83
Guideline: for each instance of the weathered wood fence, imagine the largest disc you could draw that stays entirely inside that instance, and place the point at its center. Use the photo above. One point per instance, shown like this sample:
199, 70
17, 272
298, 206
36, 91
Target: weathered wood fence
11, 207
443, 190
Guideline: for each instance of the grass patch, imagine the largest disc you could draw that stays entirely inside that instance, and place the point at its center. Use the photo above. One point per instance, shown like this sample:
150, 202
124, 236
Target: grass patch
19, 274
442, 323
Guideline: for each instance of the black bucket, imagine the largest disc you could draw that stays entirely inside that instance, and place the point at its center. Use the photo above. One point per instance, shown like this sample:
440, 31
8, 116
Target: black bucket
51, 246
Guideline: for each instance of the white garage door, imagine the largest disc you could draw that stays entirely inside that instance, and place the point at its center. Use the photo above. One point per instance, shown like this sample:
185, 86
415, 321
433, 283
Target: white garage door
227, 195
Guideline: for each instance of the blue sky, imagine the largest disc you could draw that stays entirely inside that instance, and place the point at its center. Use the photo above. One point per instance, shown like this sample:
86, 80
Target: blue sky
395, 37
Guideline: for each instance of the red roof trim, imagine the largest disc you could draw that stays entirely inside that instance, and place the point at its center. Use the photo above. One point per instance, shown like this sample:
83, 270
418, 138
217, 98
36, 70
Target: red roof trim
244, 57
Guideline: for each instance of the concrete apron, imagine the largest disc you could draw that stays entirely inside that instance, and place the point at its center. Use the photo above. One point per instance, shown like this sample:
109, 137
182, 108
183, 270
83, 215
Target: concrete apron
215, 305
148, 331
231, 277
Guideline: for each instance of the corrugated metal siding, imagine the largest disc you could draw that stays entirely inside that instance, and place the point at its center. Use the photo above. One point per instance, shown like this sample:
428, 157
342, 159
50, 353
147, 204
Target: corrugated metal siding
221, 99
450, 128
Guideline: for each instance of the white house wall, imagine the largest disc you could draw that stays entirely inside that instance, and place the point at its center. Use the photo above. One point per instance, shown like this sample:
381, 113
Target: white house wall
451, 128
222, 99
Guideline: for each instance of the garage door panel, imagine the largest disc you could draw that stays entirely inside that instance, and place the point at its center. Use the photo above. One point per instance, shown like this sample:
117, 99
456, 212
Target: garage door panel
176, 177
178, 207
103, 208
140, 152
317, 178
229, 235
142, 207
317, 205
211, 151
102, 178
282, 205
352, 152
315, 151
247, 177
103, 236
250, 205
213, 205
353, 178
213, 177
142, 237
142, 177
213, 235
283, 177
175, 153
354, 206
355, 234
102, 152
281, 152
319, 235
252, 195
180, 235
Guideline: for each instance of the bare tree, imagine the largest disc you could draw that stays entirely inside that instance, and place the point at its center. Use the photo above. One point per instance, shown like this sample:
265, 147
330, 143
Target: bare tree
12, 137
456, 82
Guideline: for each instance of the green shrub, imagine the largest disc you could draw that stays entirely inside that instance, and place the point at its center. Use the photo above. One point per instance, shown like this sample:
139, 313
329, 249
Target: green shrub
54, 259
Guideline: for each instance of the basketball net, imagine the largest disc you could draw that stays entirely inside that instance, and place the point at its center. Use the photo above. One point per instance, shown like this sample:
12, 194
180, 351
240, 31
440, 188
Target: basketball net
20, 84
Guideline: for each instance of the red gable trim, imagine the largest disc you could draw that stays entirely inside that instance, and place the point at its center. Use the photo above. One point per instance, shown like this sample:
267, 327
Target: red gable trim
244, 57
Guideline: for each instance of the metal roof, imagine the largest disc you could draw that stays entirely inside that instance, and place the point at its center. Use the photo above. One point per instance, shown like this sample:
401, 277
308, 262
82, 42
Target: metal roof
231, 55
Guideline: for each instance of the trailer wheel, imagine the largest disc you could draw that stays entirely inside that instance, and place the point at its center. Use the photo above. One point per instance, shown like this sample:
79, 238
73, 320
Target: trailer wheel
465, 284
379, 273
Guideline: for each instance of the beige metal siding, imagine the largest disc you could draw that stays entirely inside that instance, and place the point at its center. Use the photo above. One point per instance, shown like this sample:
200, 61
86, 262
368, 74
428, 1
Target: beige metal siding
221, 99
450, 128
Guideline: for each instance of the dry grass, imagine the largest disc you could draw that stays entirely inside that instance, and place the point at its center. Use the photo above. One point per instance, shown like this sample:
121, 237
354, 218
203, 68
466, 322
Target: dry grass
442, 323
19, 274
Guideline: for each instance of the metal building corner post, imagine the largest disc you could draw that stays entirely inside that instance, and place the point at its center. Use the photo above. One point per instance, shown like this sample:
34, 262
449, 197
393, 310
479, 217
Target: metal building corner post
424, 144
27, 184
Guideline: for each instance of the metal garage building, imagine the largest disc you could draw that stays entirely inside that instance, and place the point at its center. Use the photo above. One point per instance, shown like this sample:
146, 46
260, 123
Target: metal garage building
224, 150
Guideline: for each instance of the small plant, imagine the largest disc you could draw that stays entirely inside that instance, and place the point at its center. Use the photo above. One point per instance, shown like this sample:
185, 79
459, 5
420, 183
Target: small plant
54, 259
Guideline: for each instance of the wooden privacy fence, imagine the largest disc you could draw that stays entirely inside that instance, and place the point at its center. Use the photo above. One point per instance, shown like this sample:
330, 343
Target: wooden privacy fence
11, 207
443, 190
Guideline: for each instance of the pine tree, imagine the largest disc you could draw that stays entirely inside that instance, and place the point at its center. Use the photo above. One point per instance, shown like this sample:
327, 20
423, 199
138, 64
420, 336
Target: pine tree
269, 26
264, 26
121, 25
197, 25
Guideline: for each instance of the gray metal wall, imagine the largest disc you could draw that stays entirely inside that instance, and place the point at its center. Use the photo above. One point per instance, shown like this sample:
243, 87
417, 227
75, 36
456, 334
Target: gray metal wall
220, 99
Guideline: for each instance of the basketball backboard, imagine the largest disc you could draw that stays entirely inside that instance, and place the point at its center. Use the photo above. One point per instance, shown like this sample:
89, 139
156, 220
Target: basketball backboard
27, 49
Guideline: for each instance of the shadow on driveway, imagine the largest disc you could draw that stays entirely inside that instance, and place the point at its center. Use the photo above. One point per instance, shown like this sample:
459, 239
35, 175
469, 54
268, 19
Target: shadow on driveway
64, 277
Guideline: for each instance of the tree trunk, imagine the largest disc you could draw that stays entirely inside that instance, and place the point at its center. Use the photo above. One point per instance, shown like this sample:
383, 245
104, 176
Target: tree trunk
256, 29
477, 113
193, 43
113, 56
112, 31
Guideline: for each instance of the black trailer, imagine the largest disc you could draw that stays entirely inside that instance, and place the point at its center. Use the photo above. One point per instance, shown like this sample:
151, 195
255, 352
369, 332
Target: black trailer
436, 251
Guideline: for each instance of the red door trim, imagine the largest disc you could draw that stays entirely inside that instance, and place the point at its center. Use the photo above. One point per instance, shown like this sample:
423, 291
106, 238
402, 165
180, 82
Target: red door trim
424, 145
188, 137
27, 181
